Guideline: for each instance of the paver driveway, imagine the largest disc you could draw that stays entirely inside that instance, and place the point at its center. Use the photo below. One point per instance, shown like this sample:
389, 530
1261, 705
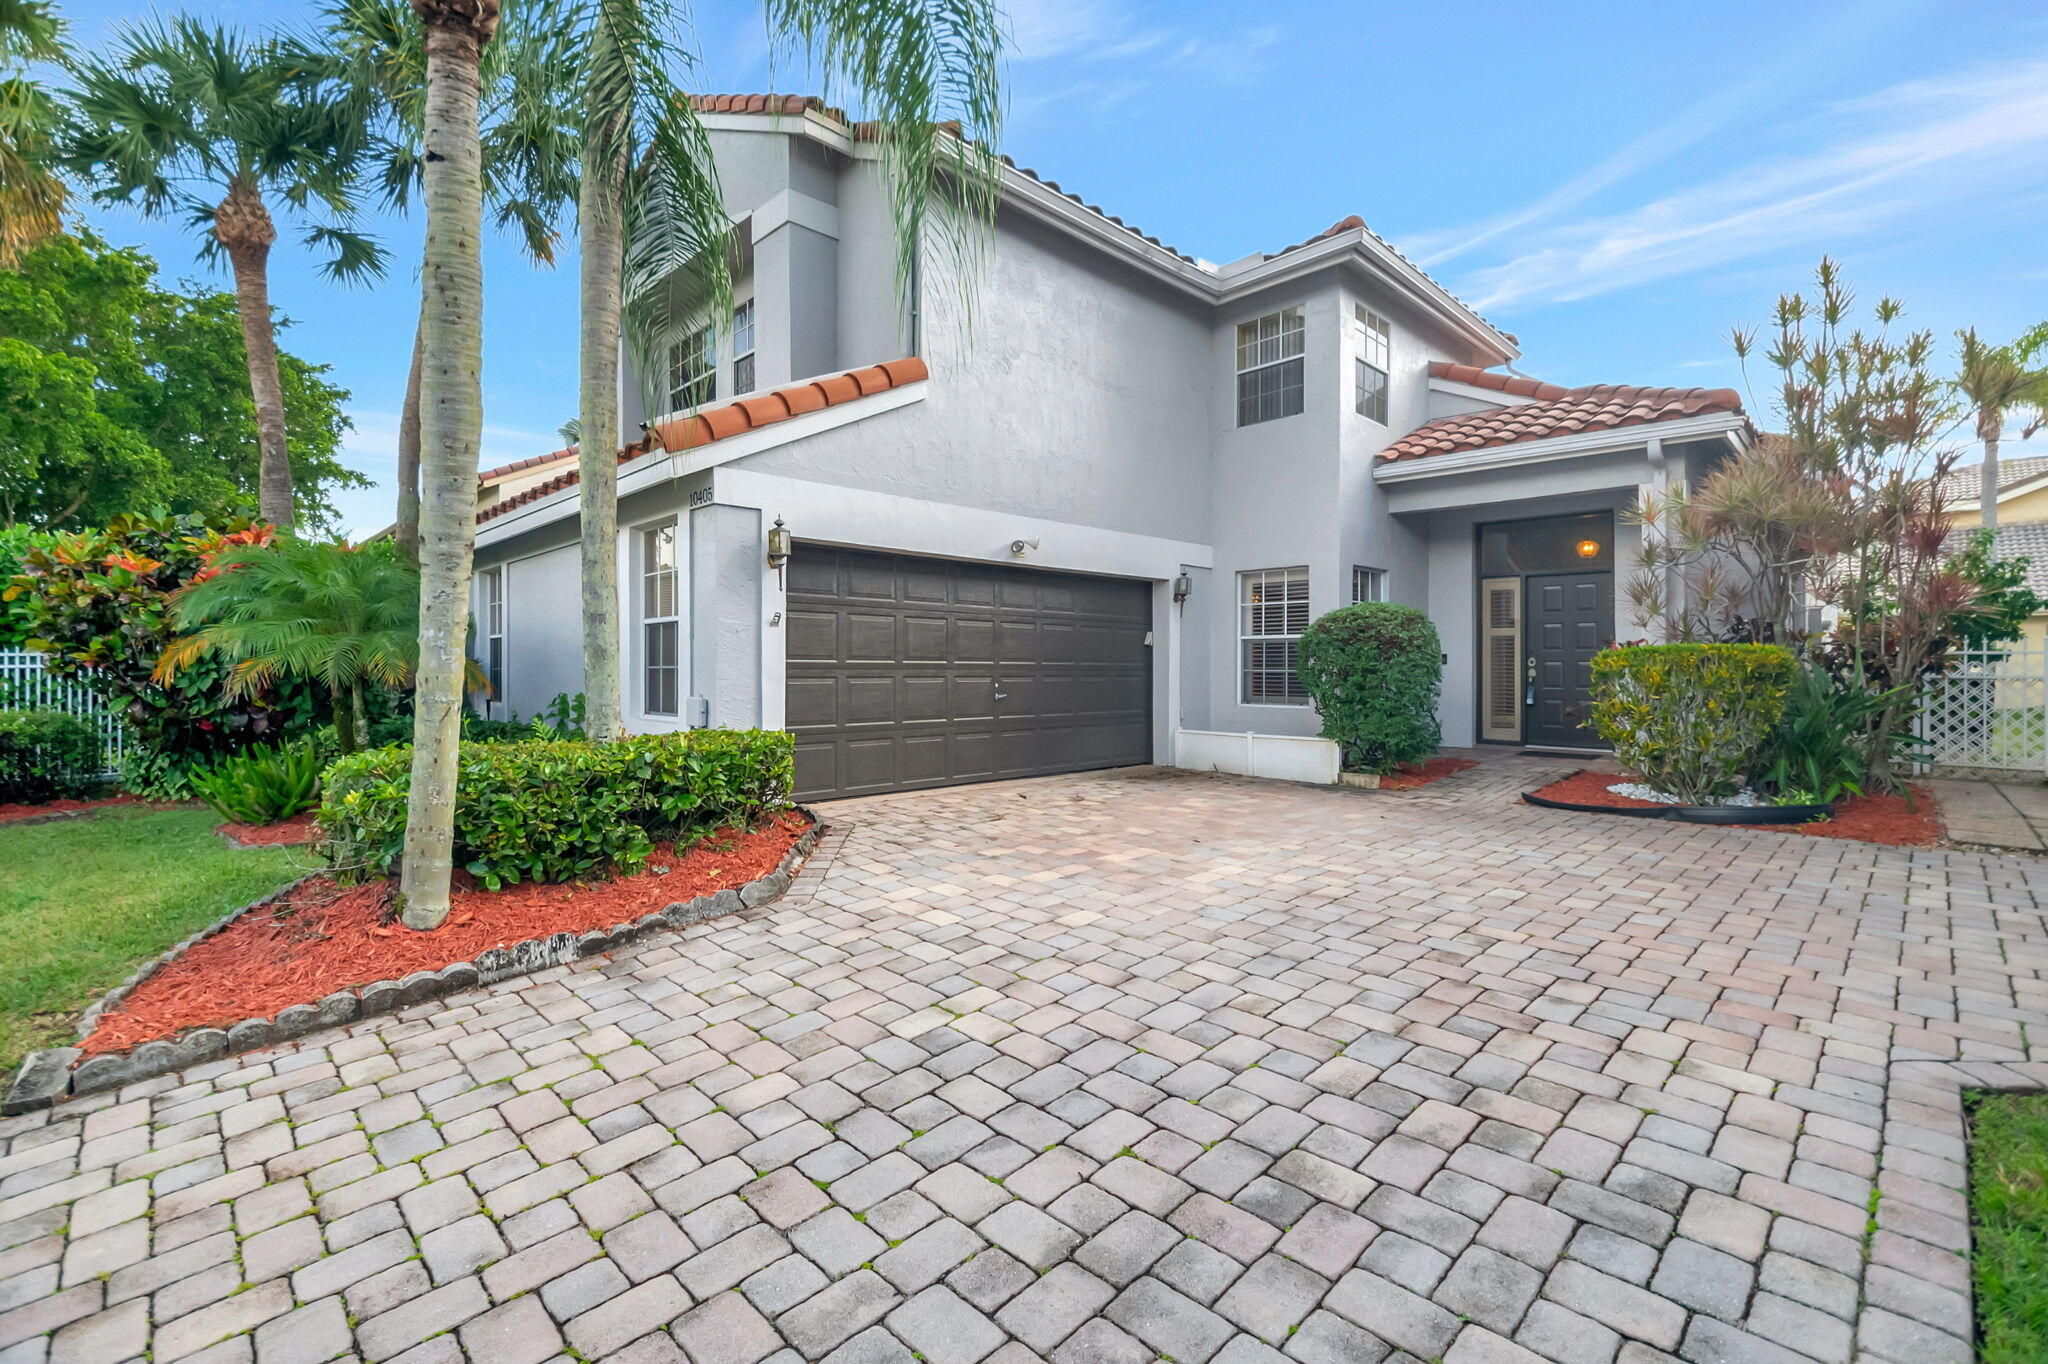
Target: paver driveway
1107, 1069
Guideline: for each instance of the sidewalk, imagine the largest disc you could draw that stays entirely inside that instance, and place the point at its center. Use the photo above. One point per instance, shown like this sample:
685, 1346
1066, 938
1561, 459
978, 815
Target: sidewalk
1997, 814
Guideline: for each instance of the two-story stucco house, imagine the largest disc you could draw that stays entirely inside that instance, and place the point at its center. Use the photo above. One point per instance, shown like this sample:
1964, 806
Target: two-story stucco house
1086, 525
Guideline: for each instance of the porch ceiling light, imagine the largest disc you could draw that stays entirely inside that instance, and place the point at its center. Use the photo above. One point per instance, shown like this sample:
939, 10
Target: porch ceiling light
1589, 549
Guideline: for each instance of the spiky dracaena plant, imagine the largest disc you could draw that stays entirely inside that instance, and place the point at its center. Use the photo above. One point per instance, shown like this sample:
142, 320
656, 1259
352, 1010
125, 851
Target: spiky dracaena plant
527, 132
341, 617
655, 231
184, 116
32, 198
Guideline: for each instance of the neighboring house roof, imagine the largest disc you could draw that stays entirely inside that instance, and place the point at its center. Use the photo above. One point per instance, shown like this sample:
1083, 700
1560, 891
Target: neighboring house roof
1555, 411
2015, 539
750, 413
1966, 482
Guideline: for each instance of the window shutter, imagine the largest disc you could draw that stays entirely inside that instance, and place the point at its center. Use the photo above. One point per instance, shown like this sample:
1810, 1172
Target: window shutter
1502, 601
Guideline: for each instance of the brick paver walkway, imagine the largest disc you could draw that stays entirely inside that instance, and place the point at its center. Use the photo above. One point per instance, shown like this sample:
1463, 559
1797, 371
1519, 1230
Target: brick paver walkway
1109, 1069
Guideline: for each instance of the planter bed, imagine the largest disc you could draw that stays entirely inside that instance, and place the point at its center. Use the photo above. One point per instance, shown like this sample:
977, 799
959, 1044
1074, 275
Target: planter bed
318, 953
284, 833
1872, 819
58, 809
1408, 776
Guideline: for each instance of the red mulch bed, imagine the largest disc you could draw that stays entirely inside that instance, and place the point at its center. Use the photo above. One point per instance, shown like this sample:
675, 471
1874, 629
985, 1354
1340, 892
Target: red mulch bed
15, 814
285, 833
1408, 776
328, 937
1869, 819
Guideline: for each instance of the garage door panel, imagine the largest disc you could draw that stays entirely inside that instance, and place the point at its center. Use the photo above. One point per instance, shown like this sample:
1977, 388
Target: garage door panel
893, 679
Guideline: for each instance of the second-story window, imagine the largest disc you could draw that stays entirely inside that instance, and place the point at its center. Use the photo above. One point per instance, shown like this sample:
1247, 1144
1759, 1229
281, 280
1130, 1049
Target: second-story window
693, 369
1269, 365
743, 349
1373, 363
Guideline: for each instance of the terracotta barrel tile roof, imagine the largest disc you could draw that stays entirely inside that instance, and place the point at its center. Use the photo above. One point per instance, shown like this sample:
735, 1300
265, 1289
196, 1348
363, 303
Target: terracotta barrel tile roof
1555, 412
530, 462
764, 104
750, 413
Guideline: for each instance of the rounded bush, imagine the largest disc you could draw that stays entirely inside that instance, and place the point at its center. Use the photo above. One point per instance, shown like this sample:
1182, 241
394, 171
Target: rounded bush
1375, 670
1692, 719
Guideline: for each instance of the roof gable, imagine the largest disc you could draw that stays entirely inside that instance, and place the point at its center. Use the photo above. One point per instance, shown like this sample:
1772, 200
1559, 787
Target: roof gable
1553, 411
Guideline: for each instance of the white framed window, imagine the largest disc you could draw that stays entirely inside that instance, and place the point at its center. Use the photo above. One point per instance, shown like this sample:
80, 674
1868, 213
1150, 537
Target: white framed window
660, 622
1373, 362
693, 369
1272, 612
1270, 354
491, 607
743, 349
1368, 584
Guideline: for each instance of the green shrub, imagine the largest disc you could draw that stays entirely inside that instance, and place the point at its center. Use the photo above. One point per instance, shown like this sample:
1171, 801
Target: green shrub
263, 785
1374, 670
557, 809
1692, 719
47, 755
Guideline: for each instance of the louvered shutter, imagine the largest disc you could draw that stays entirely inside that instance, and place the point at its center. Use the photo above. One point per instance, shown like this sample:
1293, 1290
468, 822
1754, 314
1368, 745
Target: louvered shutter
1501, 600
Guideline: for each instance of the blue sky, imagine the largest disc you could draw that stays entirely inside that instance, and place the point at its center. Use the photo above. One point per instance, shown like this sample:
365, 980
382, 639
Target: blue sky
1617, 184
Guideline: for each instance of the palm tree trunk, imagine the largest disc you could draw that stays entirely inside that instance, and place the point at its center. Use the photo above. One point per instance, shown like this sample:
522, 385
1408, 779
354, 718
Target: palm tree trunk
600, 217
406, 535
1992, 430
362, 714
243, 227
346, 732
451, 428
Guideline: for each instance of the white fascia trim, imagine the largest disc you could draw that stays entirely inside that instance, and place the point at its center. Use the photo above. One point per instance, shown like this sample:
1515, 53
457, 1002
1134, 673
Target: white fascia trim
789, 206
1728, 424
2006, 494
646, 471
1492, 397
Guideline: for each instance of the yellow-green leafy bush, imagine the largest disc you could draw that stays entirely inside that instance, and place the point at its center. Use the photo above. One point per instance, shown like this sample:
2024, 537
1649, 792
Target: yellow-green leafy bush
1692, 719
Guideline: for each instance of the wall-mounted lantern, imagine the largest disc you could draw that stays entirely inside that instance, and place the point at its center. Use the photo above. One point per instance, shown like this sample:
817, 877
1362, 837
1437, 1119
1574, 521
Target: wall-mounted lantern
1588, 549
1183, 588
778, 548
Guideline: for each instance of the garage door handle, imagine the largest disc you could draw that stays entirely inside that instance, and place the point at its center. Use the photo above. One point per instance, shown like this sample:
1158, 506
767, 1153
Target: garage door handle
1001, 694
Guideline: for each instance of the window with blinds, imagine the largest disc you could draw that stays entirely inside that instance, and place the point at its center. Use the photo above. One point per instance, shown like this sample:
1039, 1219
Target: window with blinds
491, 592
1368, 584
1501, 602
1272, 613
660, 622
1270, 353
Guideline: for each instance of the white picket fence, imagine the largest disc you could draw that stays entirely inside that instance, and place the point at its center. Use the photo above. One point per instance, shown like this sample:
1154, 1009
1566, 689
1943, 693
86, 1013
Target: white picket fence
1989, 713
27, 685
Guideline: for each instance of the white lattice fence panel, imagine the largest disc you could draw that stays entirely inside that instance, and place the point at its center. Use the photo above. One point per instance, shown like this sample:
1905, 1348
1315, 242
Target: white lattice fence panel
27, 685
1990, 711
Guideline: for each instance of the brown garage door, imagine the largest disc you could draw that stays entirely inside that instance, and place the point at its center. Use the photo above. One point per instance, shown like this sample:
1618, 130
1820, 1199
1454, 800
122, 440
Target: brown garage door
909, 672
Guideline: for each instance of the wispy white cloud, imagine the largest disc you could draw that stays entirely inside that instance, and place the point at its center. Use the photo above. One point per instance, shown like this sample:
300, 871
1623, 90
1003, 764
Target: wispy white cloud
1968, 143
1103, 53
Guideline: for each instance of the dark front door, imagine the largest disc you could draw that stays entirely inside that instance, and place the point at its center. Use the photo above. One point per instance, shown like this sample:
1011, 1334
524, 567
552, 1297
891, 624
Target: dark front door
1571, 617
907, 672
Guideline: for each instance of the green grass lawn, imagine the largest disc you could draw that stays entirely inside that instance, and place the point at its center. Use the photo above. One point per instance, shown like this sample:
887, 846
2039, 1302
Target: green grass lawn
2009, 1217
84, 901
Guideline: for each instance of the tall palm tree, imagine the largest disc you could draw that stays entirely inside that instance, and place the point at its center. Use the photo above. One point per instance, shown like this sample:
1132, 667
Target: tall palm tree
528, 133
1997, 382
190, 117
451, 428
650, 207
32, 198
340, 616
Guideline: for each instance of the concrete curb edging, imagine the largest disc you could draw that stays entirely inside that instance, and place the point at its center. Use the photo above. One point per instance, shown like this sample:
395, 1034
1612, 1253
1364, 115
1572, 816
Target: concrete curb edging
57, 1073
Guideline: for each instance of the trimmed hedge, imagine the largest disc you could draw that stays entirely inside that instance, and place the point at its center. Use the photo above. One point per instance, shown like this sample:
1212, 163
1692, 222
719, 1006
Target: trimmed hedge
47, 755
1374, 670
1692, 719
558, 809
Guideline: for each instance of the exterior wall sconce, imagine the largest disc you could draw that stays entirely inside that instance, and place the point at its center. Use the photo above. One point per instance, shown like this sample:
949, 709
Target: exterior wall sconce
778, 548
1183, 588
1588, 549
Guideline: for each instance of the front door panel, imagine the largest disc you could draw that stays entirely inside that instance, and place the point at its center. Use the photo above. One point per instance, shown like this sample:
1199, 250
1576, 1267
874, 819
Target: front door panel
1571, 618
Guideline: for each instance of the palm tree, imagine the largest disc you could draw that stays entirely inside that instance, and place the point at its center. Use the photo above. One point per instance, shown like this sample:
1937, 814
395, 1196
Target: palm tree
32, 198
528, 138
451, 428
1998, 381
190, 117
650, 207
338, 616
